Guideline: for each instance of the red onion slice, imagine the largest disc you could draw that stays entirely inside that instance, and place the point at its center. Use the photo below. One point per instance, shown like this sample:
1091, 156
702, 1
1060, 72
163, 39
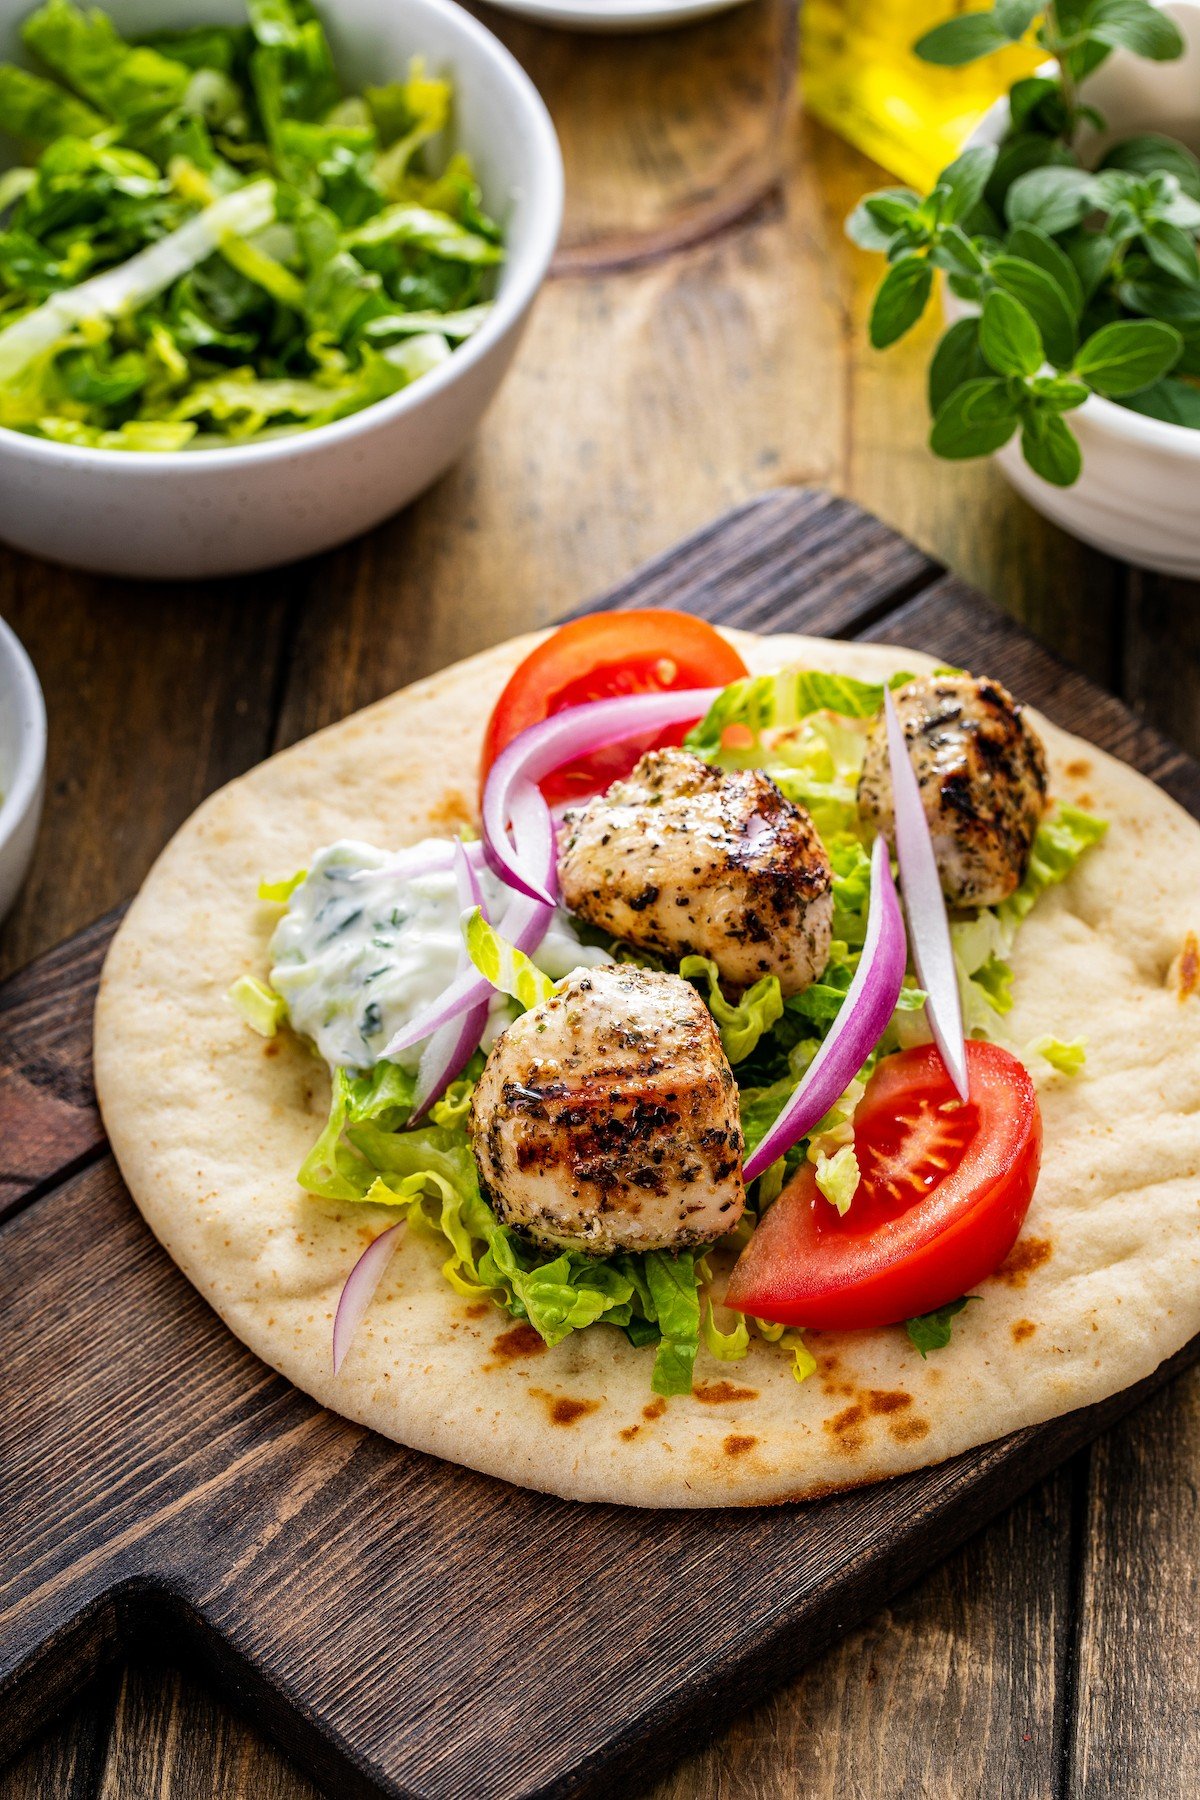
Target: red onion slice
538, 750
925, 904
450, 1049
869, 1004
359, 1291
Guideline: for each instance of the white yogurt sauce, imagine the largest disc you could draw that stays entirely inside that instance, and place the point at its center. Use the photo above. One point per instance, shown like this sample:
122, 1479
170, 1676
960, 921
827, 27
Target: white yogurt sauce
361, 951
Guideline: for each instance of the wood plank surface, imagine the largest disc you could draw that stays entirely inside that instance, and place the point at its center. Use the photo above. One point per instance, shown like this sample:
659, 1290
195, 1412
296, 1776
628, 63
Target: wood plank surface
218, 1507
703, 341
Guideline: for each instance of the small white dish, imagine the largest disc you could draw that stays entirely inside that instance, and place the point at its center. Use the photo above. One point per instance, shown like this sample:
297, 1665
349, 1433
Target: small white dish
250, 506
22, 763
1138, 497
615, 15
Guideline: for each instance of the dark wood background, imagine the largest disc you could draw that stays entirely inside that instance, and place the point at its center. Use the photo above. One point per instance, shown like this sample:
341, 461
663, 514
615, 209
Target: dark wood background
702, 340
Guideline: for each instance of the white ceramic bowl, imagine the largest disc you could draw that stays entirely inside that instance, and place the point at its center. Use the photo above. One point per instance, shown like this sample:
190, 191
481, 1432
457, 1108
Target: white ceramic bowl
22, 763
1139, 494
250, 506
616, 15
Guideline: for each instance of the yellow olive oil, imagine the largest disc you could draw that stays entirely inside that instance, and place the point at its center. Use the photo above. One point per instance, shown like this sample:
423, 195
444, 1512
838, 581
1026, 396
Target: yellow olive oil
860, 76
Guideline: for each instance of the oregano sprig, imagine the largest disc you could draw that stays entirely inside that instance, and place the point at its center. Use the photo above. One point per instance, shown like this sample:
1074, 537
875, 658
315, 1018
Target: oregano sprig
1082, 280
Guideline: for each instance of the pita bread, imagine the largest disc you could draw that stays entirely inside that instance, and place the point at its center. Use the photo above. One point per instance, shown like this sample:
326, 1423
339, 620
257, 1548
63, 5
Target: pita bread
209, 1124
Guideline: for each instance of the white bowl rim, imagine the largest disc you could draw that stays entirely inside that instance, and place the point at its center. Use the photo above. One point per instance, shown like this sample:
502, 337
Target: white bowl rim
31, 722
1119, 421
523, 277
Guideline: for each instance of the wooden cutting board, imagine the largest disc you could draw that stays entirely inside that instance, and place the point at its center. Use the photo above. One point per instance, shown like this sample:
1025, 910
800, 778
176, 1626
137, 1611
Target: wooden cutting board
405, 1627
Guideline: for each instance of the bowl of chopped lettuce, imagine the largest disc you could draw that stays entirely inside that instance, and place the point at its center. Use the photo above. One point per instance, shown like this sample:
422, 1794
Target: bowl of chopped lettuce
261, 269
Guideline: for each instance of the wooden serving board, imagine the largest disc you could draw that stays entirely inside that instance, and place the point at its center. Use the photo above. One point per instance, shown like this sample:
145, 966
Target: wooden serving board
405, 1627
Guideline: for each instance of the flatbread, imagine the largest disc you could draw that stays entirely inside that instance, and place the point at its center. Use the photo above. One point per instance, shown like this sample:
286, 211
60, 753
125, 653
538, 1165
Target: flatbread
209, 1124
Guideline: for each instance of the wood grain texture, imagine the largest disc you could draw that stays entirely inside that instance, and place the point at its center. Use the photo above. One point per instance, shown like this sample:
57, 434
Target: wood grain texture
1136, 1661
206, 1502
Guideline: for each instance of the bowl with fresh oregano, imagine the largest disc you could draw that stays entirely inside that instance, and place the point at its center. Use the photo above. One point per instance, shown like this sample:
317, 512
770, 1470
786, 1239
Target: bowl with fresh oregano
1066, 233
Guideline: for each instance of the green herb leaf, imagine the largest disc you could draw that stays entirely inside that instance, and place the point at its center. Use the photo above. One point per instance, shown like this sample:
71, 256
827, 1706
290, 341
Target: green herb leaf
956, 360
1152, 154
1033, 245
1174, 402
931, 1331
1014, 17
1053, 199
1058, 393
960, 186
877, 218
961, 40
1051, 449
978, 417
1131, 354
1008, 337
1172, 250
1043, 299
1134, 25
900, 300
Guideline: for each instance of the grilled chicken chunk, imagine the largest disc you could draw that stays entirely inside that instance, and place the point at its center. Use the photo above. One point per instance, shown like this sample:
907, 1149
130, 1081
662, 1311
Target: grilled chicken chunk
607, 1118
681, 858
982, 773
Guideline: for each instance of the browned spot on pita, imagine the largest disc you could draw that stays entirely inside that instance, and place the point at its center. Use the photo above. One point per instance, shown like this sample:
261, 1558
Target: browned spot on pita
454, 810
521, 1340
654, 1410
888, 1400
569, 1412
1024, 1257
827, 1362
717, 1393
845, 1430
272, 1047
630, 1432
477, 1309
1189, 967
909, 1431
738, 1446
1022, 1329
1079, 768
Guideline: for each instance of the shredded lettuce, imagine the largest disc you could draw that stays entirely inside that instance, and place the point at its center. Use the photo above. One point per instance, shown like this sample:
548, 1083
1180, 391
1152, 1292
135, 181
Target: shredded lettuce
262, 1008
983, 944
215, 242
1066, 1058
281, 891
759, 703
365, 1153
726, 1346
838, 1177
741, 1025
507, 968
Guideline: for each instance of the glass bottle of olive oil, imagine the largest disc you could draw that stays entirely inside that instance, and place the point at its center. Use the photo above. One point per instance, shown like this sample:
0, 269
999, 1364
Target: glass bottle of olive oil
860, 76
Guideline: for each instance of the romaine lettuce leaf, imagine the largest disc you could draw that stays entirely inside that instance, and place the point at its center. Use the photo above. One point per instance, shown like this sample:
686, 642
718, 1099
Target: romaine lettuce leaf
1067, 1059
35, 111
126, 81
759, 703
741, 1025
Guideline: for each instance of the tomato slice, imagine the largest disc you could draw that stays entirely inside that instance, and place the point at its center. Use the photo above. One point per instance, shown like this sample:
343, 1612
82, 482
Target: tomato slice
944, 1188
592, 659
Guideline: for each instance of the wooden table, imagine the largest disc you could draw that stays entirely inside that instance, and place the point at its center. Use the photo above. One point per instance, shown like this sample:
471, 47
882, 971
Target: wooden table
703, 339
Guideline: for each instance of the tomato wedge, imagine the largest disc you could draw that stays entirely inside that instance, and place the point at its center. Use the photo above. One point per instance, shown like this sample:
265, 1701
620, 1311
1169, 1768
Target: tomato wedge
944, 1189
592, 659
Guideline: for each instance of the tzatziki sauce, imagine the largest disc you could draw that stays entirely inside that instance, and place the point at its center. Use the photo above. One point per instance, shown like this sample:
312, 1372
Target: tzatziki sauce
362, 949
